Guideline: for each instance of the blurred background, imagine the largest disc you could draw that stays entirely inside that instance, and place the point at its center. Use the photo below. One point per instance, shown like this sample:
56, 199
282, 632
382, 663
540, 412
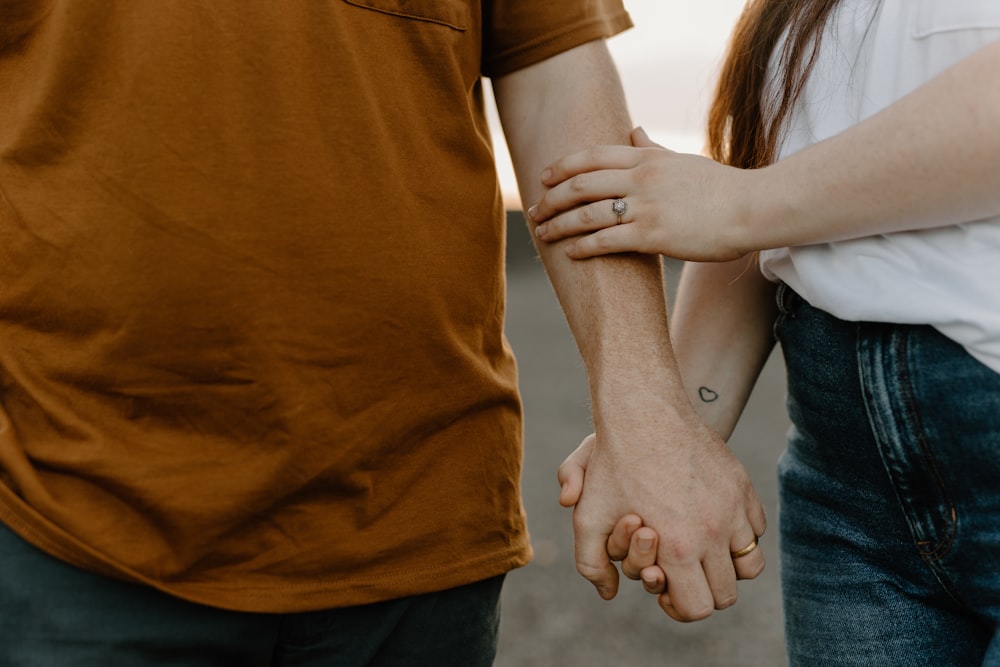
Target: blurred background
551, 616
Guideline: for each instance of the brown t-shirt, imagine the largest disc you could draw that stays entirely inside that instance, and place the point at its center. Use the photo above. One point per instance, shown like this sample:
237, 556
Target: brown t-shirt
252, 292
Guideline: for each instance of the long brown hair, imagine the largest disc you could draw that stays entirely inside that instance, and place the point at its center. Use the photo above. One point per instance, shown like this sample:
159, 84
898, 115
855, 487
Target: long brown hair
743, 126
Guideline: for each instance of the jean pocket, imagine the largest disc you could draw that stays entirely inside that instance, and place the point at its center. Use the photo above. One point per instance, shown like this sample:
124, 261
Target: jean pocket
454, 14
938, 16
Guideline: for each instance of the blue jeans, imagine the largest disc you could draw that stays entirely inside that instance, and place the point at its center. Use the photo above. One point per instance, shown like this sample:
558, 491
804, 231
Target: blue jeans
53, 615
889, 495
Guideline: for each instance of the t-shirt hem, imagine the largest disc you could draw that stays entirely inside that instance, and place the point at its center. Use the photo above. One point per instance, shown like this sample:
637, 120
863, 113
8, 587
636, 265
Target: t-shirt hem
289, 597
349, 592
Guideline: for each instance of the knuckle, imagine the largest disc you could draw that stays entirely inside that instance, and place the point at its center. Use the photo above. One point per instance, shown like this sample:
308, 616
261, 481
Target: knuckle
645, 173
601, 242
596, 154
580, 183
590, 572
715, 530
679, 551
582, 524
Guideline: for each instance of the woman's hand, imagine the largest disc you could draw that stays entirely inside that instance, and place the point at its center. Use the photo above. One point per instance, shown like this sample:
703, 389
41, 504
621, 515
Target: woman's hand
631, 543
681, 205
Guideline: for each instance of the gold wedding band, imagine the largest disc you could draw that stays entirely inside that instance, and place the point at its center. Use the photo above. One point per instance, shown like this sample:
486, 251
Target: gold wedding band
745, 550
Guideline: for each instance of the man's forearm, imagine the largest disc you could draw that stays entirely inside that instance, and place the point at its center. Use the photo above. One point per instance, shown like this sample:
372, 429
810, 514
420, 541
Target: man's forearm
615, 305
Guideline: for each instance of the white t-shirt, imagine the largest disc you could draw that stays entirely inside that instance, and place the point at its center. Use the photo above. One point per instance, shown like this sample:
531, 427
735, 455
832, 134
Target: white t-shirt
949, 277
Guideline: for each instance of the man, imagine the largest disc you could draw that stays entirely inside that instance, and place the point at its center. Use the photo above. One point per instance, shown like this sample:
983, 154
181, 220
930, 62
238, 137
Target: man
257, 407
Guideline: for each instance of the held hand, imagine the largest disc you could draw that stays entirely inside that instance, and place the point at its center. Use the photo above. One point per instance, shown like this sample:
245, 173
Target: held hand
601, 572
630, 542
680, 205
701, 505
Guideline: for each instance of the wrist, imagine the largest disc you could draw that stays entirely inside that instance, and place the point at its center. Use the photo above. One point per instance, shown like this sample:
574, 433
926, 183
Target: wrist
765, 211
643, 399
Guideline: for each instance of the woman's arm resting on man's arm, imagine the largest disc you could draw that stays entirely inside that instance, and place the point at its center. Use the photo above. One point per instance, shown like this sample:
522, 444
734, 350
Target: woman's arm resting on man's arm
929, 160
653, 456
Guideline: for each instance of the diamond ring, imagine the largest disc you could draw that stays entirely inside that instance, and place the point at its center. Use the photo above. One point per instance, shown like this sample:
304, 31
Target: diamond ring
619, 207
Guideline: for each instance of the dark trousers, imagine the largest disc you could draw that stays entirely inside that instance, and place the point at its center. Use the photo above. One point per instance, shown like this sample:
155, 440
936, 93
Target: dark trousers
54, 615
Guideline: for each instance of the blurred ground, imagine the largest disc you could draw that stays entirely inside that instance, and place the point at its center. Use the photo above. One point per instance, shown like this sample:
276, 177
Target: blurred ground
551, 616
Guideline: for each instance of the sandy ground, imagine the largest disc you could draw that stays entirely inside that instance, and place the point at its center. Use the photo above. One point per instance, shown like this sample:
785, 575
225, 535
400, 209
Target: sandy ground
551, 616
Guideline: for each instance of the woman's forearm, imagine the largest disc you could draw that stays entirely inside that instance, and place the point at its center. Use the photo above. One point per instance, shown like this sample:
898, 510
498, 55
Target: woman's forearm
721, 327
929, 160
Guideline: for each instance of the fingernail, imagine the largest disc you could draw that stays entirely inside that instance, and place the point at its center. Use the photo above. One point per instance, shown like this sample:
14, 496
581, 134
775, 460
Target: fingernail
603, 592
540, 230
546, 175
532, 211
645, 543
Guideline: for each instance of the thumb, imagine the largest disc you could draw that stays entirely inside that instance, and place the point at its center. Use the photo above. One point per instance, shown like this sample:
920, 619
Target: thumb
572, 472
641, 140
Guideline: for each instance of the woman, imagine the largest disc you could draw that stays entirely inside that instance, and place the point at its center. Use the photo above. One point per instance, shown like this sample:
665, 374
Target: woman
854, 207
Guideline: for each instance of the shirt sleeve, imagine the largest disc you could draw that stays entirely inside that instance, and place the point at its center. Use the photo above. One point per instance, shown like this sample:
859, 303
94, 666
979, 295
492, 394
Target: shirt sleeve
519, 33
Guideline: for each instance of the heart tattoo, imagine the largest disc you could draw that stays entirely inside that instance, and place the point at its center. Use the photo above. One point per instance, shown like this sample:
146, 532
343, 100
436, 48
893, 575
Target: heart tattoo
707, 395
